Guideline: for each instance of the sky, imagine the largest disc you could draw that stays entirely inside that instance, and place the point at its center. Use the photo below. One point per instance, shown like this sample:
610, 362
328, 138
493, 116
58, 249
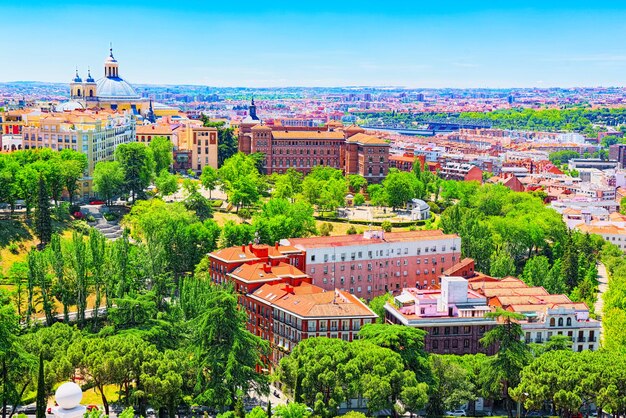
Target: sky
231, 43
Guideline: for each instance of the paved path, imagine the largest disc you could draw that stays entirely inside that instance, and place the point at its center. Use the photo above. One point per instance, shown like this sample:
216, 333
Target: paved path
603, 285
110, 230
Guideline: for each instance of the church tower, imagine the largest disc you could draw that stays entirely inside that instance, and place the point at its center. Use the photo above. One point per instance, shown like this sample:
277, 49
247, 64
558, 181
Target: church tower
252, 110
111, 68
76, 87
89, 87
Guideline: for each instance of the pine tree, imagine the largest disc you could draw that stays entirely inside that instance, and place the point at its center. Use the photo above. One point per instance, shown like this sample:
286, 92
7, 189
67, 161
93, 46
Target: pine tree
569, 263
41, 391
269, 409
43, 219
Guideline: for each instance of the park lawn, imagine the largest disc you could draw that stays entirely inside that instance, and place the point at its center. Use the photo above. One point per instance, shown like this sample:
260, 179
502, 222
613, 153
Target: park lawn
92, 396
222, 217
22, 235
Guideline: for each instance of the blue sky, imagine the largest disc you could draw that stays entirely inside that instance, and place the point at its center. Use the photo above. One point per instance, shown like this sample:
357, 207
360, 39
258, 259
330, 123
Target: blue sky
320, 43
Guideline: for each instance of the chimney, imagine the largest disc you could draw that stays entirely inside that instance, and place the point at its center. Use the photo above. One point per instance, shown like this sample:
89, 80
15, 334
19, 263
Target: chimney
243, 248
250, 246
276, 245
267, 268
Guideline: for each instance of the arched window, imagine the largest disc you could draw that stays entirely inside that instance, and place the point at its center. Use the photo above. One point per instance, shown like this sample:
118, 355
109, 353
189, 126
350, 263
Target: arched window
569, 322
552, 322
78, 92
560, 322
90, 93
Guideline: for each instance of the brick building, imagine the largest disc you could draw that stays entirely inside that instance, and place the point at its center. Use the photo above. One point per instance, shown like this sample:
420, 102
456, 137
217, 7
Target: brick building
281, 304
303, 147
375, 262
405, 161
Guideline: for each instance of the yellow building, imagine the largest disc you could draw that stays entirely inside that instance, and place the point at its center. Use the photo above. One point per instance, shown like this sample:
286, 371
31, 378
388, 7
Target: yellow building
94, 133
201, 141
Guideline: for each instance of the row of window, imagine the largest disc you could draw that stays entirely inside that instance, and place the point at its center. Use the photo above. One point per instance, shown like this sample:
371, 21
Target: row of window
382, 253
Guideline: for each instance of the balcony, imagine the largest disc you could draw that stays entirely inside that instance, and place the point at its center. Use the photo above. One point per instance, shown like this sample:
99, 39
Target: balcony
592, 339
539, 340
581, 339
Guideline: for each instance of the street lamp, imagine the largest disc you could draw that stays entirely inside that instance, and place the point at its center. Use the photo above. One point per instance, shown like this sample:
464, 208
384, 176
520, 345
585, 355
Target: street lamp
519, 405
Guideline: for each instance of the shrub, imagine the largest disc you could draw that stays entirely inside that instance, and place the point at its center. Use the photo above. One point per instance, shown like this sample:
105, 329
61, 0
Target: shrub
74, 208
14, 248
110, 216
326, 228
351, 230
386, 226
358, 200
90, 218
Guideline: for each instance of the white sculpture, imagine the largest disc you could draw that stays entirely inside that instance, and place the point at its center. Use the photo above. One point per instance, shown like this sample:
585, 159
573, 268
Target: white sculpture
68, 397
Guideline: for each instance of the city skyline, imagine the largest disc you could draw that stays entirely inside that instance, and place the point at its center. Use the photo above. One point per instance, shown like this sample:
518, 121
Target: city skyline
349, 44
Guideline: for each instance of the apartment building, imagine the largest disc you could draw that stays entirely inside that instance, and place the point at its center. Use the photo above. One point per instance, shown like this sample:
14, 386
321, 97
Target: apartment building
376, 262
281, 304
545, 315
94, 133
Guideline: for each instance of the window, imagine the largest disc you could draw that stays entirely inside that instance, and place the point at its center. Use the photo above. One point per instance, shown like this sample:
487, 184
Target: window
435, 345
436, 331
569, 322
446, 330
313, 257
560, 322
552, 322
466, 343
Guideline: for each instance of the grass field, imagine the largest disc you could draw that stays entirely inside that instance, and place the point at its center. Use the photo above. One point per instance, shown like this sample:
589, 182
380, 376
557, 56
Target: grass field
20, 234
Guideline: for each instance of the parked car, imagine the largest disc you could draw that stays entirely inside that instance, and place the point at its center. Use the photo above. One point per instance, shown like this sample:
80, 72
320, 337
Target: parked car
150, 411
27, 409
456, 413
96, 202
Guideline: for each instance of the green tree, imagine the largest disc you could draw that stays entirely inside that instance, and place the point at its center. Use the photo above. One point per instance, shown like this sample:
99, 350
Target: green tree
400, 187
407, 342
73, 168
292, 410
108, 180
536, 270
356, 183
138, 164
166, 183
513, 354
502, 264
359, 200
452, 385
227, 355
161, 148
280, 219
209, 178
43, 217
377, 305
42, 398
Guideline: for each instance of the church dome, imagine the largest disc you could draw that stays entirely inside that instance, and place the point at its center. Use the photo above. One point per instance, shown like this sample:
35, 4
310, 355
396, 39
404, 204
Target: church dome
68, 106
115, 88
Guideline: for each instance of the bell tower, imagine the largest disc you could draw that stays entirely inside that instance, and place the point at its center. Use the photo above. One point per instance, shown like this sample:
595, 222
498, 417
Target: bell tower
89, 87
111, 68
76, 87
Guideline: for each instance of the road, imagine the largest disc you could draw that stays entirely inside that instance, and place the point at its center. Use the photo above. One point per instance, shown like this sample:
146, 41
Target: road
603, 285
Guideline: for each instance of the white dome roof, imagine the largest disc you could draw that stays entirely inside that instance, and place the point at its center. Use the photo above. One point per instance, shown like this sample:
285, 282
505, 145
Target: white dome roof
115, 88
